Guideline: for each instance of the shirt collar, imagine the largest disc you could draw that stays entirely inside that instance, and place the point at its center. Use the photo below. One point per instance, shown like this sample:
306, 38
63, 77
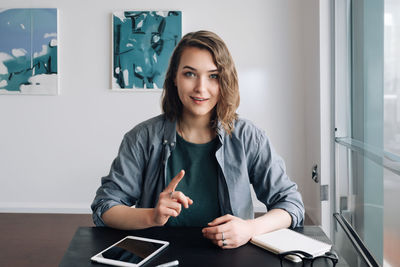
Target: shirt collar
170, 132
220, 132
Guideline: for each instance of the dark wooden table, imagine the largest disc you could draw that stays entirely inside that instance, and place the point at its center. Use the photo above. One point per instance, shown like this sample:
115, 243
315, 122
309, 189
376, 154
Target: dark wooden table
28, 239
186, 245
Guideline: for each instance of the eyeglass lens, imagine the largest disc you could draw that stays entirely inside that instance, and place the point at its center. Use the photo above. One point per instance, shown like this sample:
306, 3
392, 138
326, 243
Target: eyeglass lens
316, 262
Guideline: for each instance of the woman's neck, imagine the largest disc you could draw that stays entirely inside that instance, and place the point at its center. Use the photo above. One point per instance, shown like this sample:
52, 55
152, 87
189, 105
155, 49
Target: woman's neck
195, 129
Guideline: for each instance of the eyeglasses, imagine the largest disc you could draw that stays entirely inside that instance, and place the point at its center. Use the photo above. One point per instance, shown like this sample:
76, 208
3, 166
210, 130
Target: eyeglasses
329, 259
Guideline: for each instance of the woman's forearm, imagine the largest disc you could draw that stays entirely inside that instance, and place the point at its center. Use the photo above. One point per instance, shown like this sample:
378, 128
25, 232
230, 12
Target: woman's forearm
127, 218
273, 220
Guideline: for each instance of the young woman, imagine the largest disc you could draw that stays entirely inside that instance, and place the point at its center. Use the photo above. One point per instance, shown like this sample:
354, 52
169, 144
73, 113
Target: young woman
193, 165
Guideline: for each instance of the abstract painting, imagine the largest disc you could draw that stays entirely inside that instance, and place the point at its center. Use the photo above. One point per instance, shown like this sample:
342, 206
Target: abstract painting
143, 42
28, 51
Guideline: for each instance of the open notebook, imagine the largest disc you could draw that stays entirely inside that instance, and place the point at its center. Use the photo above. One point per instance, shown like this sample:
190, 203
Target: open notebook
286, 240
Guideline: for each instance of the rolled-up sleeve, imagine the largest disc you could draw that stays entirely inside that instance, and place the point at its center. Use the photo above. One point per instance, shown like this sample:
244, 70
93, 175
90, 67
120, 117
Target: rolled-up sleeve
122, 185
272, 185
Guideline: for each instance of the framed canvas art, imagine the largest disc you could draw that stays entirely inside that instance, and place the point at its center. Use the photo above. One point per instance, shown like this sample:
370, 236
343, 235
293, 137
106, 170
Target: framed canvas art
143, 42
29, 51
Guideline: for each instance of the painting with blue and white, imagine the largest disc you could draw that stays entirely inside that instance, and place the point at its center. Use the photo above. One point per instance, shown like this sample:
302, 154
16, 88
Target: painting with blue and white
28, 51
143, 42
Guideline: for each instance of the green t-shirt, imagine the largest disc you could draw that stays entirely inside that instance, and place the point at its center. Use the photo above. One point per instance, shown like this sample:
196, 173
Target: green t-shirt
199, 183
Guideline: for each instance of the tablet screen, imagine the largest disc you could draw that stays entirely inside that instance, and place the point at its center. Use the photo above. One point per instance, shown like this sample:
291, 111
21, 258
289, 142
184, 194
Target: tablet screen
134, 250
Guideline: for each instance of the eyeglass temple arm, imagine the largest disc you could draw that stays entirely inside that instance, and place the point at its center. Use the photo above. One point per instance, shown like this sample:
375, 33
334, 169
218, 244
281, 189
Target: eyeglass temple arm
305, 254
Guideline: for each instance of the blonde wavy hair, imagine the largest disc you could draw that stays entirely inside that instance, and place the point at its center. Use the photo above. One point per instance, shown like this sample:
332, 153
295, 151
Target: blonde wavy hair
225, 110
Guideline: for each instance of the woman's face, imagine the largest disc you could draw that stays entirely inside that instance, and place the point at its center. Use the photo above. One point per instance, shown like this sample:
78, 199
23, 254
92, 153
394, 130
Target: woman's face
197, 82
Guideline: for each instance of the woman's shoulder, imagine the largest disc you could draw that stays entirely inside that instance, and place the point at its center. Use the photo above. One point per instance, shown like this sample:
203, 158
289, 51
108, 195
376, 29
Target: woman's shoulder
246, 128
150, 128
251, 137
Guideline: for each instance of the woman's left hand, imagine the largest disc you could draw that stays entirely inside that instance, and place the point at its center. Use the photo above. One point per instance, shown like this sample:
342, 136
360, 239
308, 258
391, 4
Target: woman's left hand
228, 231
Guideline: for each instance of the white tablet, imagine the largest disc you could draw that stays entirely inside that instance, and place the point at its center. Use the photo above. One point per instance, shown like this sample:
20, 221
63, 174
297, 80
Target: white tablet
130, 251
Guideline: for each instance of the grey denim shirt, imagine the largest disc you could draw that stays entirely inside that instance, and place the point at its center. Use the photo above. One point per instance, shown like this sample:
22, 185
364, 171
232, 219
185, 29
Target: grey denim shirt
138, 173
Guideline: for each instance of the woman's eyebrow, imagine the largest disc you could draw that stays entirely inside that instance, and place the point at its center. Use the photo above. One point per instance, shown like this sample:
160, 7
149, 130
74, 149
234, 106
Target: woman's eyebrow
188, 67
194, 69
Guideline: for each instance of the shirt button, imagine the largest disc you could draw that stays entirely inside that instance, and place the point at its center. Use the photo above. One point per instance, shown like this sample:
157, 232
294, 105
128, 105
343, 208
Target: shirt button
165, 141
172, 144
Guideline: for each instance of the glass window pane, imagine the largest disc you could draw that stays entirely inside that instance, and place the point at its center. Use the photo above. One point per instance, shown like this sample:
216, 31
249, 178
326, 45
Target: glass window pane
392, 77
392, 130
391, 230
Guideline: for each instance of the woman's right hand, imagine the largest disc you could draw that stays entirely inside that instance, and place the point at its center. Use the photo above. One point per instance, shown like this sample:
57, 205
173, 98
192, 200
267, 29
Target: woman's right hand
170, 201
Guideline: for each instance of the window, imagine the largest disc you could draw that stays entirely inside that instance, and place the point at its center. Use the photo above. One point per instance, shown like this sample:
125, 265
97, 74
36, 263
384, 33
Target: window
391, 182
367, 118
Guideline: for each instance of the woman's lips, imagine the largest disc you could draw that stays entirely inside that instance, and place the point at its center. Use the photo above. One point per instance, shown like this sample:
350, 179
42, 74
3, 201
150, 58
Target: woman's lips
198, 100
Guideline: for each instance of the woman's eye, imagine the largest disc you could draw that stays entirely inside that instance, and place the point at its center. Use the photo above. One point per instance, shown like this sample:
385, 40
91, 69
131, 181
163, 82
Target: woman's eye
214, 76
189, 74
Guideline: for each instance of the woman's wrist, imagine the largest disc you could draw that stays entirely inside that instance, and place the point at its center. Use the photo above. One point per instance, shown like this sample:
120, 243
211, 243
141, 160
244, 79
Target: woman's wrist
152, 218
272, 220
251, 226
129, 218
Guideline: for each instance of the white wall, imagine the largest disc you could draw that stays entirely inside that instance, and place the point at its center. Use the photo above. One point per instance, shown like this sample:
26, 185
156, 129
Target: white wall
312, 107
54, 149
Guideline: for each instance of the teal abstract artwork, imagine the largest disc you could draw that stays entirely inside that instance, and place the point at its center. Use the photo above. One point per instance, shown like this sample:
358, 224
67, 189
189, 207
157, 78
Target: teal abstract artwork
143, 42
28, 51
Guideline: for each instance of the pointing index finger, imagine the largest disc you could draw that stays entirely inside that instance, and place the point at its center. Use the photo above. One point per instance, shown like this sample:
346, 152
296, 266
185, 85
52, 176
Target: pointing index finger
175, 181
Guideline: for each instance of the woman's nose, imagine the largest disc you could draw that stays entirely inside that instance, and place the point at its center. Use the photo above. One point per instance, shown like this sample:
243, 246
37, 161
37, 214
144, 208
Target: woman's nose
201, 84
